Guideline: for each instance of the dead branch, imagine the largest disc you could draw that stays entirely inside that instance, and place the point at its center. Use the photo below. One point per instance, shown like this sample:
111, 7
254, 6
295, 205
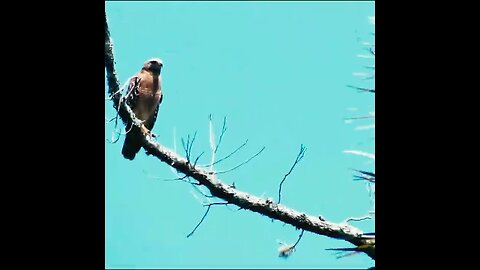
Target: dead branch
362, 89
366, 176
223, 191
360, 117
113, 84
205, 215
256, 204
187, 146
299, 238
357, 219
297, 159
201, 220
243, 163
227, 156
286, 250
224, 129
198, 157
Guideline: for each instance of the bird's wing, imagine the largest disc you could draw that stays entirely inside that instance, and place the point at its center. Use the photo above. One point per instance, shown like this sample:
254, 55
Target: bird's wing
153, 118
133, 92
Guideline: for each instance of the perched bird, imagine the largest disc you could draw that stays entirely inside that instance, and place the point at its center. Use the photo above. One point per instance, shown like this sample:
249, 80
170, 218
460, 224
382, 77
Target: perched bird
144, 97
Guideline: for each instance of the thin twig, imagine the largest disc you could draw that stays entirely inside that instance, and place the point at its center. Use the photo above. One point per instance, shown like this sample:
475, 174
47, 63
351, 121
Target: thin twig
204, 215
126, 132
187, 146
299, 238
191, 144
360, 117
364, 178
362, 89
367, 176
177, 179
195, 163
201, 220
297, 159
229, 155
203, 194
217, 203
243, 163
224, 128
357, 219
108, 121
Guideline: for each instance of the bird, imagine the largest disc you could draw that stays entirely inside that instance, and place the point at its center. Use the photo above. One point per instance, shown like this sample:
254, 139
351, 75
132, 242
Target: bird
144, 96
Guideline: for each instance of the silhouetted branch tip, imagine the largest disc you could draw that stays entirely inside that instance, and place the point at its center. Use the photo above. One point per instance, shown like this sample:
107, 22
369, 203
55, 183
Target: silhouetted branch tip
201, 220
243, 163
297, 160
224, 129
229, 155
299, 238
204, 215
356, 219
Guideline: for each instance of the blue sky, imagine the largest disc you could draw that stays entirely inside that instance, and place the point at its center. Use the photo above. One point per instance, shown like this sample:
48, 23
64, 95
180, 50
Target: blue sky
279, 72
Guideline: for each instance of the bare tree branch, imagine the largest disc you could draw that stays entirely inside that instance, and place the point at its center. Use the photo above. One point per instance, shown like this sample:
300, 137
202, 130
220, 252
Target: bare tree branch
205, 215
243, 163
187, 146
226, 192
217, 203
297, 159
360, 117
201, 220
112, 80
198, 157
229, 155
255, 204
367, 176
362, 89
224, 128
286, 250
357, 219
299, 238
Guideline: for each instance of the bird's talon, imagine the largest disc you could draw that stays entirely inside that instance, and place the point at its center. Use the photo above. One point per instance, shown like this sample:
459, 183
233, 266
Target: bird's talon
145, 131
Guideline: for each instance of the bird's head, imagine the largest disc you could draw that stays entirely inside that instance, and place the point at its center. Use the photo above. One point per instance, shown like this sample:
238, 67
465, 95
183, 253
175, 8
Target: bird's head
153, 65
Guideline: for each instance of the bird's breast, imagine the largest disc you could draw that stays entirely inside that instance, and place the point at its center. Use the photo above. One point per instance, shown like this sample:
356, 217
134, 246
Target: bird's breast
147, 103
149, 94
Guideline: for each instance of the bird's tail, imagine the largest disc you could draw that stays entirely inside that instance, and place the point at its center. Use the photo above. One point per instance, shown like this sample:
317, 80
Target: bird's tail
132, 144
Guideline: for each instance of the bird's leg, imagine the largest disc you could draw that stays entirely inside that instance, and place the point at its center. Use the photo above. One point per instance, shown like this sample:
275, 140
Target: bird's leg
146, 132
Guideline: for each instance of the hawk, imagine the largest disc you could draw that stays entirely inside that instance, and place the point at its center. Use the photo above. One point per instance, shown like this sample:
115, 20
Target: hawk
144, 97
